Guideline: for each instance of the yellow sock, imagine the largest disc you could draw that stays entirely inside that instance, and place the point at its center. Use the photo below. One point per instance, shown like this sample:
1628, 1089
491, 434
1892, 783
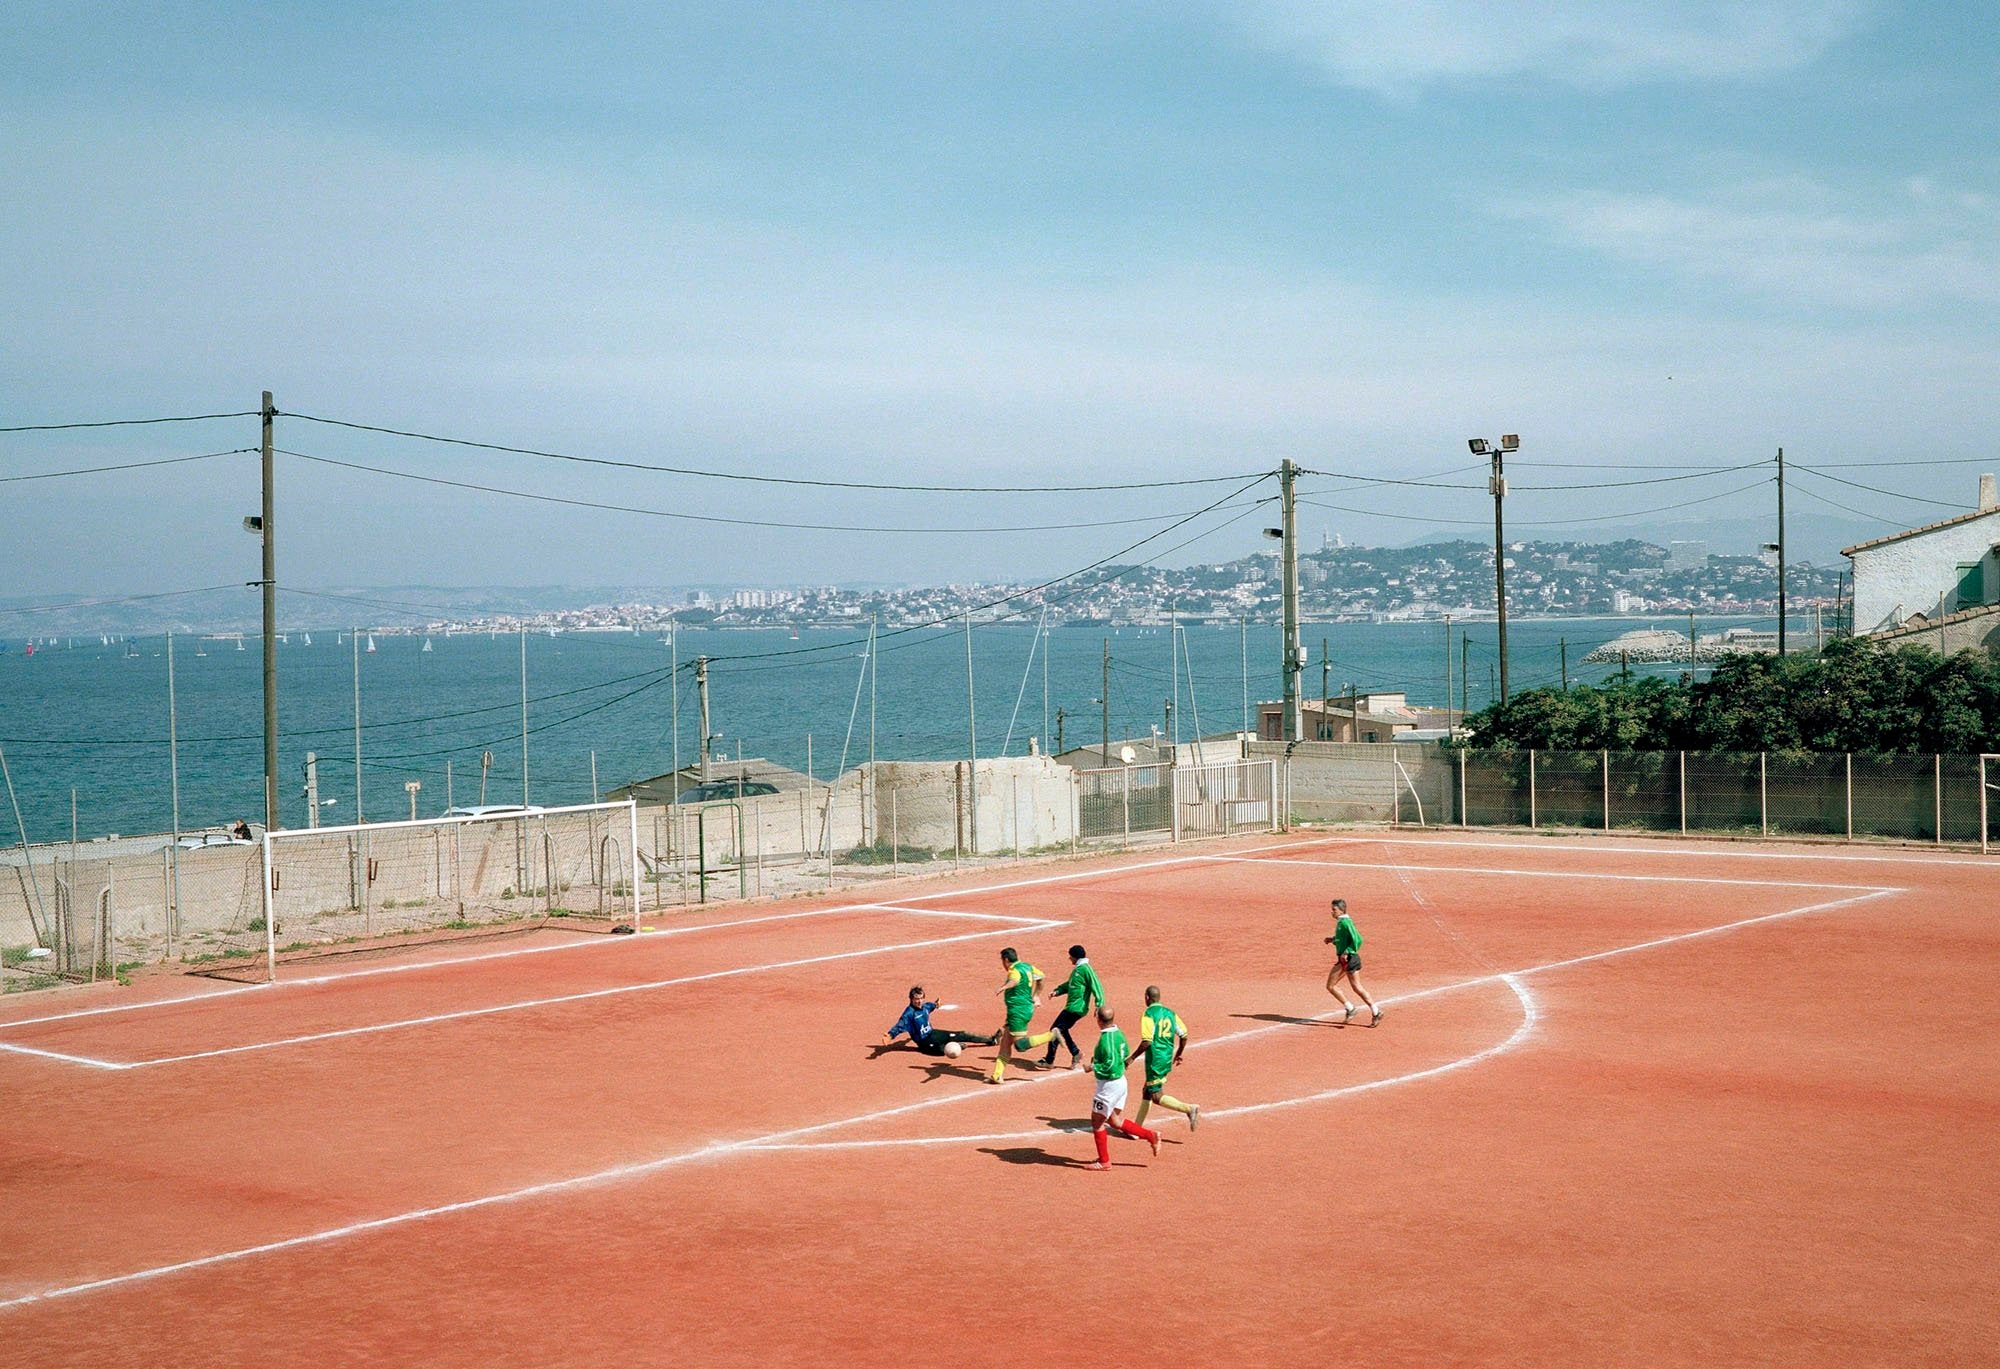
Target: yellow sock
1035, 1043
1140, 1115
999, 1070
1176, 1104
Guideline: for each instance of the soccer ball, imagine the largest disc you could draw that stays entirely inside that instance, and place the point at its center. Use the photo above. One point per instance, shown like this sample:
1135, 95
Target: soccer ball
951, 1049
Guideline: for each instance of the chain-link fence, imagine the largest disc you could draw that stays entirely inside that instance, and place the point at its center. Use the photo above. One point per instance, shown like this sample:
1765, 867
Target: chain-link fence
1780, 794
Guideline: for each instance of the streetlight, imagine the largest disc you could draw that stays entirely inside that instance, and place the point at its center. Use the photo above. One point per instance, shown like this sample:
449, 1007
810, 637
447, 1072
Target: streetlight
1496, 485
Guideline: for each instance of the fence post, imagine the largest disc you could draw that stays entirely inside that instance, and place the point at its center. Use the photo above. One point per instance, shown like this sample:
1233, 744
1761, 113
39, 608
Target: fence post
1464, 819
1395, 794
1850, 796
270, 932
1763, 794
1982, 804
1533, 820
1128, 805
895, 833
1607, 789
1684, 793
1937, 795
1015, 815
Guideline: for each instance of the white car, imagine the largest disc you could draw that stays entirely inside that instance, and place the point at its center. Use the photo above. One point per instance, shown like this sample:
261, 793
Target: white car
196, 841
494, 810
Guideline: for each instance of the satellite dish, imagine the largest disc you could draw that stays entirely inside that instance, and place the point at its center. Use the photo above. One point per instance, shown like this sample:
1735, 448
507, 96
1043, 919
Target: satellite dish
1127, 754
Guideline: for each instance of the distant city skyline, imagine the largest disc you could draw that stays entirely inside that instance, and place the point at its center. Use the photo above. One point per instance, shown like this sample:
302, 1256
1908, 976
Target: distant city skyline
1036, 246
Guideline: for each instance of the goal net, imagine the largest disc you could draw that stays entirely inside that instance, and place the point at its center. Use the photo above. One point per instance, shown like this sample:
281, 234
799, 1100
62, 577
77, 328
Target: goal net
363, 886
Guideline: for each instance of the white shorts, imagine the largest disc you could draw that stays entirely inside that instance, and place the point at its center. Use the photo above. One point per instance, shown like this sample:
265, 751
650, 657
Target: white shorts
1110, 1096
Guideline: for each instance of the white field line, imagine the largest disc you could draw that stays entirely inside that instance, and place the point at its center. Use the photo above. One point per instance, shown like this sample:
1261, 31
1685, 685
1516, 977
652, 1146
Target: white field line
1530, 1016
773, 1140
949, 912
584, 996
599, 942
1548, 874
1664, 846
58, 1055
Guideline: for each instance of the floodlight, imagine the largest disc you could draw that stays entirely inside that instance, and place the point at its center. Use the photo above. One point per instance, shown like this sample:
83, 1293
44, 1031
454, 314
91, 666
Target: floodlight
1478, 445
253, 524
1275, 534
1510, 442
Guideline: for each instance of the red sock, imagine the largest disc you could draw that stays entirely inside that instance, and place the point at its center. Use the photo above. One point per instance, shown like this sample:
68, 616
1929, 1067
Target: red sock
1133, 1129
1103, 1145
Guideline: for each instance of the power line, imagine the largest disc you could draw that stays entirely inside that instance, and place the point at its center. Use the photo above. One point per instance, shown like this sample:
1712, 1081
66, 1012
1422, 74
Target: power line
716, 518
1873, 489
1809, 493
127, 422
1425, 482
1656, 480
125, 466
119, 599
764, 479
1546, 522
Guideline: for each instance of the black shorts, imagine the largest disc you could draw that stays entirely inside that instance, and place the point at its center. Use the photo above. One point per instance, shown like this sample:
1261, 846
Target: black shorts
1351, 962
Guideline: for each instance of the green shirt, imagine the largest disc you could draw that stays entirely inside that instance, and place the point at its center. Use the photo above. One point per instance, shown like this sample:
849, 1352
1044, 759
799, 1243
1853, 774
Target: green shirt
1109, 1059
1346, 939
1161, 1029
1084, 986
1020, 995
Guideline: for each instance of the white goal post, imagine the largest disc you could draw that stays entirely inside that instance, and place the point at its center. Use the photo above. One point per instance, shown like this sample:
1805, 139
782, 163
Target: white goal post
366, 884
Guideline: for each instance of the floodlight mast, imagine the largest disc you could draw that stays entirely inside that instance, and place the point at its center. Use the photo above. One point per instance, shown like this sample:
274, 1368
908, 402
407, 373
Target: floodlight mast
1496, 484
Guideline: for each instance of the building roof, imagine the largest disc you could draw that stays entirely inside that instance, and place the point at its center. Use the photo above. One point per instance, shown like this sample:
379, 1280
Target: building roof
1918, 532
662, 788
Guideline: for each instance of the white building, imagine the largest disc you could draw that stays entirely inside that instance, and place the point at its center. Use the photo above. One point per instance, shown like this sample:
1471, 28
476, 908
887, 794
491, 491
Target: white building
1937, 569
1687, 555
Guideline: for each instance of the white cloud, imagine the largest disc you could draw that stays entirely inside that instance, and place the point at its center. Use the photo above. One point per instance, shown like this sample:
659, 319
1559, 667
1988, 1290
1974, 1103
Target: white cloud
1902, 247
1390, 48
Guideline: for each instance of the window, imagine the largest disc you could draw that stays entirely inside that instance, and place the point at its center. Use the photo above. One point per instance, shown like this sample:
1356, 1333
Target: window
1971, 585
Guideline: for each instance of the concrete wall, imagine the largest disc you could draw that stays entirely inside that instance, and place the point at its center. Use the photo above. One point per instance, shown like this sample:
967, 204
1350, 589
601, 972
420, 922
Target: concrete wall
1972, 629
1360, 782
1899, 578
1024, 803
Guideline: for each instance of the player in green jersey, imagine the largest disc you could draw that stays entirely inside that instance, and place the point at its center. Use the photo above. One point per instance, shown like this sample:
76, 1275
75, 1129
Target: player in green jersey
1082, 991
1346, 943
1163, 1037
1023, 982
1107, 1106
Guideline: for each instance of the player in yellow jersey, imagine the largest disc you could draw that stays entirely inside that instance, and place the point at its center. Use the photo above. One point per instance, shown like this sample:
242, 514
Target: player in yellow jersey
1024, 981
1163, 1039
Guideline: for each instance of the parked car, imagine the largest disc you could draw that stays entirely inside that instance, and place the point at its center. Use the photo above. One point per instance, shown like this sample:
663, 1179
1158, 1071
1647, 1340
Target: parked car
195, 841
494, 810
711, 790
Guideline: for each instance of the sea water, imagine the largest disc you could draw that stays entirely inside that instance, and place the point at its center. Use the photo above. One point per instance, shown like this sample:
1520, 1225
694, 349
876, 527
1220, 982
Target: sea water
93, 718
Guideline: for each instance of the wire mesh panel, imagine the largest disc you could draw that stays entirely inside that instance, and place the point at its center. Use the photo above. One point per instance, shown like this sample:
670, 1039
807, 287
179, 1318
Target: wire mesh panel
1129, 800
1646, 790
334, 886
1215, 800
1724, 791
1496, 788
1569, 789
1959, 797
1896, 796
1805, 793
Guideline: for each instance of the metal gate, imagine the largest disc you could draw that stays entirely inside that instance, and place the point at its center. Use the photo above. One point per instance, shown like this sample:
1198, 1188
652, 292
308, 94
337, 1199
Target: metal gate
1216, 800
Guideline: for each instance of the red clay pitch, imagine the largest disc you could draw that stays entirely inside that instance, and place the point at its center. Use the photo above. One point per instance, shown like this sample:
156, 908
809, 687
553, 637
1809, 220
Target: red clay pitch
1632, 1101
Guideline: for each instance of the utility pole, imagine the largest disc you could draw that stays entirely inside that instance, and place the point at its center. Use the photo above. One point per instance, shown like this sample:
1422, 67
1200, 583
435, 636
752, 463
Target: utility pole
524, 715
1562, 646
270, 583
1325, 670
1464, 675
1059, 731
701, 688
1781, 551
1104, 701
1447, 672
971, 740
354, 640
1288, 537
312, 789
1694, 649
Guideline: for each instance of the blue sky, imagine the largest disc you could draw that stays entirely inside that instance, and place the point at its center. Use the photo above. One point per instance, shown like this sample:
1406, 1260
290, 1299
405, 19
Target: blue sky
943, 243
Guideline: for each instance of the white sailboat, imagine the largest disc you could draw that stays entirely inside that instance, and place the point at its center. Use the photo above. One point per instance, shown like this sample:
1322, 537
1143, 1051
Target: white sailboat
371, 643
309, 639
427, 644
